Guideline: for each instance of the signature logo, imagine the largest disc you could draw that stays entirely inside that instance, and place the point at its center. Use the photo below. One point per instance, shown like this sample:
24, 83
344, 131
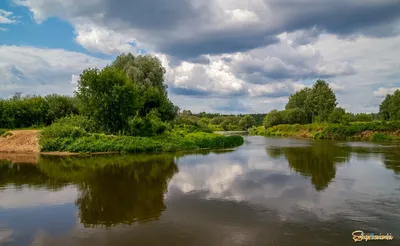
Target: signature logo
359, 236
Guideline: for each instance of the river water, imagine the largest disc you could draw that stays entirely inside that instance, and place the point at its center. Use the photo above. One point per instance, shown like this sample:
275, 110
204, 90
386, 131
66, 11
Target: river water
267, 192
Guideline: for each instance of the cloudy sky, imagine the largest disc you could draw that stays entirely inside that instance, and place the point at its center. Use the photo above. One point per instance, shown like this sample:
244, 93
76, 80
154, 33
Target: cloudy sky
221, 55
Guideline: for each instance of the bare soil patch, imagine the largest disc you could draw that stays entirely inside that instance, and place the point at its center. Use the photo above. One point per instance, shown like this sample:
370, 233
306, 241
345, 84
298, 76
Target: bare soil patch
21, 141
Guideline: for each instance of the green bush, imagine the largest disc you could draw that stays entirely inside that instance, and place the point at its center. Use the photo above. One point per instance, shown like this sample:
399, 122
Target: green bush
294, 116
381, 137
273, 118
129, 144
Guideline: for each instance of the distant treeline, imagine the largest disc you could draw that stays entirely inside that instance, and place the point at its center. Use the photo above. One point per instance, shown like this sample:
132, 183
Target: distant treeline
318, 104
39, 111
27, 111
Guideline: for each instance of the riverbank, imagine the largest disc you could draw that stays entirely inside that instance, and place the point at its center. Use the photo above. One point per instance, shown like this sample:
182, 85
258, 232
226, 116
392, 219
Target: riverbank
20, 141
75, 142
361, 131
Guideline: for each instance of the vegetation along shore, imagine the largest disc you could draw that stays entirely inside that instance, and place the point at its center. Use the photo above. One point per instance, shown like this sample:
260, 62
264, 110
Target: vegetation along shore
121, 108
313, 113
125, 108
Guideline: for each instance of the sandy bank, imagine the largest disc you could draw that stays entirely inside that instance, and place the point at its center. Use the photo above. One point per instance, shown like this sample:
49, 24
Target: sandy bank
21, 141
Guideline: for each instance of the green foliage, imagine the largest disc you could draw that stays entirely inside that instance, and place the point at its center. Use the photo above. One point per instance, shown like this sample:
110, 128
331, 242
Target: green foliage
337, 115
394, 109
59, 106
6, 134
363, 117
108, 97
246, 122
151, 125
321, 100
257, 131
376, 131
298, 99
390, 107
147, 73
28, 111
384, 108
294, 116
381, 137
273, 118
2, 131
127, 144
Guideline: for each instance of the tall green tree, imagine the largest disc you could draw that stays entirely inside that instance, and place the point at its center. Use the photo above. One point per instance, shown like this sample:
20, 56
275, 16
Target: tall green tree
108, 96
246, 122
147, 73
394, 109
273, 118
321, 101
298, 99
294, 116
59, 106
337, 115
384, 108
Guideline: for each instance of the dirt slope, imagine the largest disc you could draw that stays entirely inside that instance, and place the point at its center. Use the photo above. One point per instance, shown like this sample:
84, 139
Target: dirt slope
21, 141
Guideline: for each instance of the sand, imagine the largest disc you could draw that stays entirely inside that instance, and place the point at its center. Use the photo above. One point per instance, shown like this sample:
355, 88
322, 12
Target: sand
21, 141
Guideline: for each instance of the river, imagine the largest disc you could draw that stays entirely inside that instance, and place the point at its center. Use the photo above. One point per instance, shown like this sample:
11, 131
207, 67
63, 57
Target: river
269, 191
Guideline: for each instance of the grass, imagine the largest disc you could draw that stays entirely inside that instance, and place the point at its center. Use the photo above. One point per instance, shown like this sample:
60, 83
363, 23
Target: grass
371, 131
63, 137
5, 133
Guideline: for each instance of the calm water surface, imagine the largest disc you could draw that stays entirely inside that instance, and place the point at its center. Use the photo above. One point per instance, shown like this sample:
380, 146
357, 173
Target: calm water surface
267, 192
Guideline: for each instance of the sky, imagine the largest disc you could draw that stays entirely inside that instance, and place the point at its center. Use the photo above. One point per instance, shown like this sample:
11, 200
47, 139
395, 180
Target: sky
226, 56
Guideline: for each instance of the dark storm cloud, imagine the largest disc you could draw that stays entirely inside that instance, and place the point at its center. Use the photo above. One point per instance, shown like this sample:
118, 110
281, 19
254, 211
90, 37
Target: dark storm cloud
188, 28
342, 17
154, 15
216, 43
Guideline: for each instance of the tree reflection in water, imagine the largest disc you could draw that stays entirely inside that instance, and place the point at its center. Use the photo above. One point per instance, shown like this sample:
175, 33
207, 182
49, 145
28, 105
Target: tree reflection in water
319, 160
112, 190
316, 161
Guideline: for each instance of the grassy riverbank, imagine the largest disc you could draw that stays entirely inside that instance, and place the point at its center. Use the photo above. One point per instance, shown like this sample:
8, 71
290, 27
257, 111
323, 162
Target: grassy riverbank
67, 138
366, 131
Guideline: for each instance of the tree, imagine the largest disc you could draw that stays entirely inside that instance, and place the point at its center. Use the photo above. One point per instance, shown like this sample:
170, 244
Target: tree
273, 118
147, 73
384, 108
298, 99
108, 96
294, 116
144, 70
59, 106
337, 115
321, 100
394, 108
246, 122
363, 117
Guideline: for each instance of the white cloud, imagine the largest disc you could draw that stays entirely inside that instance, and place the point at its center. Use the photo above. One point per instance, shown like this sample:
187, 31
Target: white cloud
41, 71
103, 40
3, 29
29, 197
382, 92
6, 17
259, 50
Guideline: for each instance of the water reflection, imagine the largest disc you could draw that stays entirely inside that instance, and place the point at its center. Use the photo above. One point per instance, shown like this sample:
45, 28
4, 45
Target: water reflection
111, 191
267, 192
317, 160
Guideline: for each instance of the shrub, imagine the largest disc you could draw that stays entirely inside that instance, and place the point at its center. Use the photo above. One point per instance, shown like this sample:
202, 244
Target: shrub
273, 118
294, 116
380, 137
